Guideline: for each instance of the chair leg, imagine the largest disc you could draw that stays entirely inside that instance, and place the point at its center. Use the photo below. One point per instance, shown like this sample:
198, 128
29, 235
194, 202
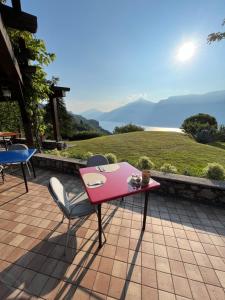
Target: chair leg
62, 219
67, 237
27, 164
3, 176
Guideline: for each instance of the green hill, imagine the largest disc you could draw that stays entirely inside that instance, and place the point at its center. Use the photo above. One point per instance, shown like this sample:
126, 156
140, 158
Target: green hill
175, 148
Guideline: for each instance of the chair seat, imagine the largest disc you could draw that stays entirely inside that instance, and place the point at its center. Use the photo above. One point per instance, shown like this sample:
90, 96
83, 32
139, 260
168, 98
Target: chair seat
81, 207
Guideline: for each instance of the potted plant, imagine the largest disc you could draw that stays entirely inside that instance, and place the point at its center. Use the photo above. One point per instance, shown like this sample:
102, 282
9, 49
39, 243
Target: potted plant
145, 165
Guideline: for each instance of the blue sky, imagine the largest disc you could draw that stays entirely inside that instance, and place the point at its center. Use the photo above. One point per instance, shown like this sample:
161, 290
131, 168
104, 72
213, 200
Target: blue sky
111, 52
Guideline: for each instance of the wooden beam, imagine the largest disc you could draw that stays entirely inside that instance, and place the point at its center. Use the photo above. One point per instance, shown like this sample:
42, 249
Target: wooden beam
16, 5
17, 19
55, 118
8, 63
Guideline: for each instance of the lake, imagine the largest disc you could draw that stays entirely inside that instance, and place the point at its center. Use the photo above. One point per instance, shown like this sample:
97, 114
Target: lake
111, 125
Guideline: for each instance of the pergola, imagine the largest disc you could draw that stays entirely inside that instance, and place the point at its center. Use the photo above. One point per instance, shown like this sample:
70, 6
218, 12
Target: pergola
14, 67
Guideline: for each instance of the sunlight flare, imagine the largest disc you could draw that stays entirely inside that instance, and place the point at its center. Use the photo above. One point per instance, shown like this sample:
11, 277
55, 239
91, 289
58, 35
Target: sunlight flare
186, 51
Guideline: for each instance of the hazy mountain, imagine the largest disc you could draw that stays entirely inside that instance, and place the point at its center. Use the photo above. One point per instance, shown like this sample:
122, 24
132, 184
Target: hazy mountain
169, 112
91, 114
130, 112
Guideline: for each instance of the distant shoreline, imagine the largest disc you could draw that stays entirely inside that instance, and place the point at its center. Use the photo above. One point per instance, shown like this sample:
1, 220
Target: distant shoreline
108, 125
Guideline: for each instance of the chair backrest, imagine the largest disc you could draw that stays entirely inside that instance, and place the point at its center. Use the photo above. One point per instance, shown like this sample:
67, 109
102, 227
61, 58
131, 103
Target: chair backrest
59, 195
97, 160
17, 147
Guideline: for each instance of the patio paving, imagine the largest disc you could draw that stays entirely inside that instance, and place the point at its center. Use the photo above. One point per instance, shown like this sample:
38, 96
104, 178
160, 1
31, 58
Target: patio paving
181, 254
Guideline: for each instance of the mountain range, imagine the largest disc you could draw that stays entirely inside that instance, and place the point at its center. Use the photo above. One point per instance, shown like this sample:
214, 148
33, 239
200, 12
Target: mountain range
169, 112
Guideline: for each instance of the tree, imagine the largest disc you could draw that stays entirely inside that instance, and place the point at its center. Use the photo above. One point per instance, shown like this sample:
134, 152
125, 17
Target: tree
216, 36
202, 127
127, 128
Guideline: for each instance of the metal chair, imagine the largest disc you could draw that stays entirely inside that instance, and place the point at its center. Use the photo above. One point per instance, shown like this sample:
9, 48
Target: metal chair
20, 147
97, 160
79, 209
2, 173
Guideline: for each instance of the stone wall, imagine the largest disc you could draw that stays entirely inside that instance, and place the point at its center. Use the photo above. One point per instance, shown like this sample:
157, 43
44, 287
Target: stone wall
191, 188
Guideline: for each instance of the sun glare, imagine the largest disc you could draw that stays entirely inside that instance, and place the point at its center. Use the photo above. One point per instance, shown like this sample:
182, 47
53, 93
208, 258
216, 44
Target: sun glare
186, 51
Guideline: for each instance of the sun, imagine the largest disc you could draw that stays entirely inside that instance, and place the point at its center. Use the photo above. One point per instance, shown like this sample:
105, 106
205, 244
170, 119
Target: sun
186, 51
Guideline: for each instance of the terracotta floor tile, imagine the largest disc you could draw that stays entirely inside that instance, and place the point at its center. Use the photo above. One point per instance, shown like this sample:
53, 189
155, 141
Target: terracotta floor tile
38, 283
101, 283
148, 277
160, 250
121, 254
149, 293
181, 286
162, 264
106, 265
166, 296
165, 282
217, 262
119, 269
209, 276
132, 291
171, 241
86, 278
51, 289
193, 272
174, 253
187, 256
116, 288
183, 244
148, 261
135, 257
134, 273
112, 239
123, 242
177, 268
216, 292
221, 276
199, 290
109, 251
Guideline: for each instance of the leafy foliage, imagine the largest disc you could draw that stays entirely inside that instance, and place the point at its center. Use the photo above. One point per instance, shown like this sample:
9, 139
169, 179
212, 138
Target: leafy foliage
127, 128
112, 159
206, 136
168, 168
199, 122
216, 36
36, 87
214, 171
144, 163
10, 118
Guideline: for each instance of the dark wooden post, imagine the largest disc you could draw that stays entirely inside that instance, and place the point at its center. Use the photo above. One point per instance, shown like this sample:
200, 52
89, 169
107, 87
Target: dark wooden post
25, 119
55, 118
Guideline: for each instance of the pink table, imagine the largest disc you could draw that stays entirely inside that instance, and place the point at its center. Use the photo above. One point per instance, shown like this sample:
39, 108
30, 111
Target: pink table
116, 186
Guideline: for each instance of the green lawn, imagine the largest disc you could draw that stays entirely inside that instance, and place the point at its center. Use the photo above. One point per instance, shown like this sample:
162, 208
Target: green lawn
175, 148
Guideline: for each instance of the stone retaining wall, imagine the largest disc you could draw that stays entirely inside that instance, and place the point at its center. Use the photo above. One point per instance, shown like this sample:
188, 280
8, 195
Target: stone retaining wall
191, 188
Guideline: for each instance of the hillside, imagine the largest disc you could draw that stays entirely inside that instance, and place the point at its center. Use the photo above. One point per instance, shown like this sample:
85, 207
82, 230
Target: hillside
169, 112
175, 148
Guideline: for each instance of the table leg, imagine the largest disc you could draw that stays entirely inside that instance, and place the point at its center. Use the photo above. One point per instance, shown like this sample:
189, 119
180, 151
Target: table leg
32, 165
99, 225
24, 177
145, 209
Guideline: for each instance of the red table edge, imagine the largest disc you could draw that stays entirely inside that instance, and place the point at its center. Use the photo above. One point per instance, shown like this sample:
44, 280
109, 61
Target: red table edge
145, 189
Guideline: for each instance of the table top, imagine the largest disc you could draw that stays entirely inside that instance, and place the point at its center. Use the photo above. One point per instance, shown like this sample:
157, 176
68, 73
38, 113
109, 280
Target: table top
7, 134
116, 184
16, 156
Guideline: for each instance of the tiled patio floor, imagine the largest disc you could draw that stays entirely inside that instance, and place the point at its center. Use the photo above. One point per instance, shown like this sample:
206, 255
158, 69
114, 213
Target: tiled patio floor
180, 256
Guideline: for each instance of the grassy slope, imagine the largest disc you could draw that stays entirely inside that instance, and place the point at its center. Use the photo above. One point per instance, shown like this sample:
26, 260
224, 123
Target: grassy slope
175, 148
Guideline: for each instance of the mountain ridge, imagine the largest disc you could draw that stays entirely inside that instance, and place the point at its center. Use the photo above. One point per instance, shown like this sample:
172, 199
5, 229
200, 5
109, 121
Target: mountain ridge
168, 112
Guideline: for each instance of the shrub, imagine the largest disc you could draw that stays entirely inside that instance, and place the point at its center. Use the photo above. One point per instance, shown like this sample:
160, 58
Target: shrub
221, 133
87, 155
127, 128
168, 168
199, 122
144, 163
205, 136
214, 171
84, 135
55, 152
112, 159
